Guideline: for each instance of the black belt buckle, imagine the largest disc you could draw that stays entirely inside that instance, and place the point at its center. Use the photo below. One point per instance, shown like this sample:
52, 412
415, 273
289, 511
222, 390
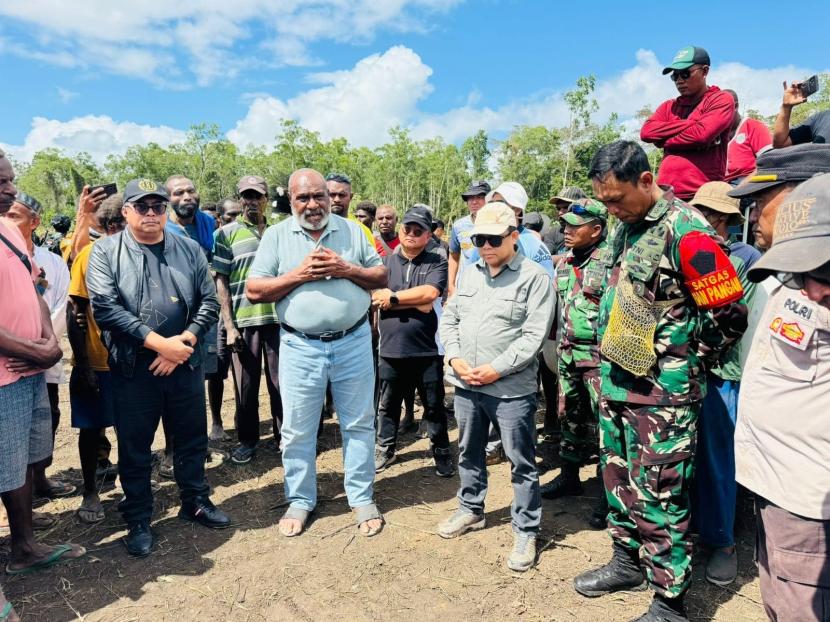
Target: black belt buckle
325, 337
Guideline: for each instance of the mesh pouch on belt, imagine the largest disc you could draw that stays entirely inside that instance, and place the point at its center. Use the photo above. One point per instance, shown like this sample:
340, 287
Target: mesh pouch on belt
629, 336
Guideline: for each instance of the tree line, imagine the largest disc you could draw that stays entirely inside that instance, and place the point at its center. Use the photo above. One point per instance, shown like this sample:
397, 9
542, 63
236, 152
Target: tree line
400, 172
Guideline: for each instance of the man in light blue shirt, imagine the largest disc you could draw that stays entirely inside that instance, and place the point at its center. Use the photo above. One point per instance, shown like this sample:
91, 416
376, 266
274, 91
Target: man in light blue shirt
319, 268
461, 248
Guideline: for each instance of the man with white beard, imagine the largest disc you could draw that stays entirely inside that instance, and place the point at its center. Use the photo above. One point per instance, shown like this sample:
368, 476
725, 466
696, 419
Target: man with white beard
319, 269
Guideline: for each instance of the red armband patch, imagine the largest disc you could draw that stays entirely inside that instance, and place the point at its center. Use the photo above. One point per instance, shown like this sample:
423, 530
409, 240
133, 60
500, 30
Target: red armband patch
710, 276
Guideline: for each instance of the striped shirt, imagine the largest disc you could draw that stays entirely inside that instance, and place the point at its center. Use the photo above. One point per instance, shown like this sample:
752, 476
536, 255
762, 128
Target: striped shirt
234, 251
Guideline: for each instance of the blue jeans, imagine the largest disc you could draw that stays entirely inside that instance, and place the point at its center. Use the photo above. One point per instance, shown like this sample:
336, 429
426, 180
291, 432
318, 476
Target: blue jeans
714, 490
514, 420
306, 366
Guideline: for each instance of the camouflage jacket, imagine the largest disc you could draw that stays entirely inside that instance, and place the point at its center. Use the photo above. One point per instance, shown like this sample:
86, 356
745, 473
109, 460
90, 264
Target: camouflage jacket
580, 287
685, 337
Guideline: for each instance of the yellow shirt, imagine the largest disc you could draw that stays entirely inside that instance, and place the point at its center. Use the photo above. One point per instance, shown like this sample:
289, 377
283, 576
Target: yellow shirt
366, 231
95, 350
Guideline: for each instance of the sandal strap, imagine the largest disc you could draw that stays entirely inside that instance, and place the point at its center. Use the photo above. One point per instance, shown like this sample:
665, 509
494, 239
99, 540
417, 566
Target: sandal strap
299, 514
367, 512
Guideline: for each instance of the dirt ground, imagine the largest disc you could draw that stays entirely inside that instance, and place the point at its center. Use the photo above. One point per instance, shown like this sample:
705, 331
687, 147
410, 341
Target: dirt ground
251, 573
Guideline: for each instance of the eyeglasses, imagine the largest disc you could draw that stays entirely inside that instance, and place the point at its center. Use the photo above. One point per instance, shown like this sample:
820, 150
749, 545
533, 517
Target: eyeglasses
479, 240
684, 74
144, 208
414, 230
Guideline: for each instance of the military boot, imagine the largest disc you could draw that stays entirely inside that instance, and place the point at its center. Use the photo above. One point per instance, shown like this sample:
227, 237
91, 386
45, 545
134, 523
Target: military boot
622, 573
566, 484
664, 609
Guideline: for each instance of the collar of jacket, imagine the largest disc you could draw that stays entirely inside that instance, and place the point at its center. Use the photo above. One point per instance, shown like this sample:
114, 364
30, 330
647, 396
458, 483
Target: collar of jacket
135, 246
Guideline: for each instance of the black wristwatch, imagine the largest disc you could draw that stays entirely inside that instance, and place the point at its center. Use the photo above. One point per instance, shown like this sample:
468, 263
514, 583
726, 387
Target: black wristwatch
394, 299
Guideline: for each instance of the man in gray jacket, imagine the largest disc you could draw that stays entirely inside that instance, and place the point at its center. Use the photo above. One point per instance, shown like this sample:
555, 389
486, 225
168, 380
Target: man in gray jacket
154, 300
492, 330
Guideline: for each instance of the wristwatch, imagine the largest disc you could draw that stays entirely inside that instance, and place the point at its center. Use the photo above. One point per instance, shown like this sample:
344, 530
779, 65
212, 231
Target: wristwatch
394, 299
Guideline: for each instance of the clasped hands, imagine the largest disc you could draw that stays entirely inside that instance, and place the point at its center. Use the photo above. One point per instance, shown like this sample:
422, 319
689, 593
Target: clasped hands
474, 376
41, 354
175, 351
323, 263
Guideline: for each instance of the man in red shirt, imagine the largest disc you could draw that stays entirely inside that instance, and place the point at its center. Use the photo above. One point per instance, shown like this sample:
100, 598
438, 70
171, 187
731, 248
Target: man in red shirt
750, 138
693, 129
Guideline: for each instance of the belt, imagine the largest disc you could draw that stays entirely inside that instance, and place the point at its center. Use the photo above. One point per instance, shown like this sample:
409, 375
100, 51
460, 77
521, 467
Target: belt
327, 336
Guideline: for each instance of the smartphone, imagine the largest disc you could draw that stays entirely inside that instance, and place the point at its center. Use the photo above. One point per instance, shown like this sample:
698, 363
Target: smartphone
109, 189
809, 86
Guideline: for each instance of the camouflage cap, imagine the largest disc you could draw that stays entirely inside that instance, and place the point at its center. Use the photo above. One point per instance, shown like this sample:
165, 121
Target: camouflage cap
801, 236
584, 211
568, 194
30, 202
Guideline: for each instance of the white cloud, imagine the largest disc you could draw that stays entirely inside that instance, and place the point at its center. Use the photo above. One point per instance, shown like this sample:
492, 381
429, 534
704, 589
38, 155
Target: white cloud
65, 95
99, 136
198, 41
362, 103
642, 85
384, 90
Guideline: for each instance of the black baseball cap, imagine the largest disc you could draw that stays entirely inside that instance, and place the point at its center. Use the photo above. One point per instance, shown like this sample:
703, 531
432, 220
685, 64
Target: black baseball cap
476, 188
801, 235
140, 188
418, 216
779, 166
688, 57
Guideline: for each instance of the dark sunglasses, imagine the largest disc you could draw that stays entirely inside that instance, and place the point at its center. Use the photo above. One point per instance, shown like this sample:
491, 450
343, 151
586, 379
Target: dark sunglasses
684, 74
479, 240
578, 209
143, 208
413, 230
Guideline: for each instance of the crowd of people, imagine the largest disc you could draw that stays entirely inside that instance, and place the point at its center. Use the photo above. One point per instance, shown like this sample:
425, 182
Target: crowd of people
679, 357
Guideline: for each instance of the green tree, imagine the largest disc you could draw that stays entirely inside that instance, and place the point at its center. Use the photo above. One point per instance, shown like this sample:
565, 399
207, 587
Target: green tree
53, 178
476, 153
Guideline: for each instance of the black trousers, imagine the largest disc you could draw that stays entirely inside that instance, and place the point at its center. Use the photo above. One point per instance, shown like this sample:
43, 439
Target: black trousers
260, 342
397, 378
140, 402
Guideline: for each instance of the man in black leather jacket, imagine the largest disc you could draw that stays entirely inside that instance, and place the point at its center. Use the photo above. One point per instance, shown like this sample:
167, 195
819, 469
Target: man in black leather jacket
153, 298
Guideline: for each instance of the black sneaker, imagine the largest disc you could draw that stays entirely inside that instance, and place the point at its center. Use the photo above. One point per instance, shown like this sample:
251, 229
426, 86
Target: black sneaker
203, 511
243, 454
384, 458
139, 540
442, 457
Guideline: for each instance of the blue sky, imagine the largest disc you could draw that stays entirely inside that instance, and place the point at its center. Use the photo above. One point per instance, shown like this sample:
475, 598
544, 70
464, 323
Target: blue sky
82, 75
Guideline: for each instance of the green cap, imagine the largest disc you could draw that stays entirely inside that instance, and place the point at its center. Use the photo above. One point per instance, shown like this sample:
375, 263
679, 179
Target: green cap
687, 57
584, 211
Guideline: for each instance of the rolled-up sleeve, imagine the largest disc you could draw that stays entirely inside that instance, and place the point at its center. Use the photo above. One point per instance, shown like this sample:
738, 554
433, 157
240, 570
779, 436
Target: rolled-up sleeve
535, 328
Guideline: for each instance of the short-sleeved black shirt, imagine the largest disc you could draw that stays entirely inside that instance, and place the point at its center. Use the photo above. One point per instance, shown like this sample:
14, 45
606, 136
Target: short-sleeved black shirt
816, 129
410, 332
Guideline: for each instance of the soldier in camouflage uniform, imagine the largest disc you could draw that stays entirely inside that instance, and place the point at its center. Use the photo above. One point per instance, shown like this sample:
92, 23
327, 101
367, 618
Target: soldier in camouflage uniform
673, 303
580, 281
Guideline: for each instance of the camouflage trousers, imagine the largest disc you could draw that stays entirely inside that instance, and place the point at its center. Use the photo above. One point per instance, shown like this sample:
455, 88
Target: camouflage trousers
647, 458
579, 391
